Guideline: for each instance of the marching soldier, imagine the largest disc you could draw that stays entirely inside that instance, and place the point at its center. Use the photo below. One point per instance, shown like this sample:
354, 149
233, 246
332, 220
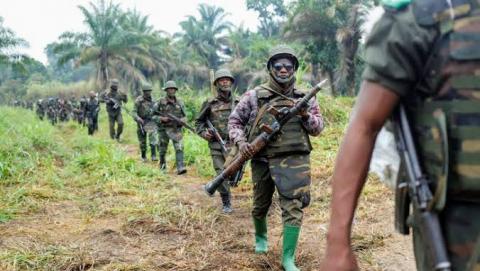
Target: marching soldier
146, 128
114, 99
216, 111
284, 164
90, 111
168, 129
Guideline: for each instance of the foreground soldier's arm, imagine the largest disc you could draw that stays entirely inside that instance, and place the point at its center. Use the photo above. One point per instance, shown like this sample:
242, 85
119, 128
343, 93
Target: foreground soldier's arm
374, 105
240, 116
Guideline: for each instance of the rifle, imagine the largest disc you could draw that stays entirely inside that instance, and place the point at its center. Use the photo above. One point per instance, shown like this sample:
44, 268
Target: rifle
180, 122
268, 134
218, 138
418, 193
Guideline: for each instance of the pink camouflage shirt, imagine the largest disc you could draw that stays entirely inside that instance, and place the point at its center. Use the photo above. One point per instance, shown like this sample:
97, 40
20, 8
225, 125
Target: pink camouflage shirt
246, 111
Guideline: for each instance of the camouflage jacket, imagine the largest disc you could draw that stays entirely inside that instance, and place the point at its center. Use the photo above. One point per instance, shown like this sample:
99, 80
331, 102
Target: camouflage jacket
113, 100
246, 111
143, 108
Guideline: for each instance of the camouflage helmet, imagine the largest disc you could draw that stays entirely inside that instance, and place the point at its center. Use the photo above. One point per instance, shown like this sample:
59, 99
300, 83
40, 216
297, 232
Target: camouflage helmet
114, 82
170, 84
92, 94
221, 73
280, 51
147, 87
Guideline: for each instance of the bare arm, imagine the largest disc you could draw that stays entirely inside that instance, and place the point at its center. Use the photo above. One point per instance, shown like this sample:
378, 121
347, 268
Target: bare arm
374, 105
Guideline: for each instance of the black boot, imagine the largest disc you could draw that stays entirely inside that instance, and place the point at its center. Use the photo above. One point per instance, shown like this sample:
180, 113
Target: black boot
153, 150
180, 166
163, 162
144, 155
226, 202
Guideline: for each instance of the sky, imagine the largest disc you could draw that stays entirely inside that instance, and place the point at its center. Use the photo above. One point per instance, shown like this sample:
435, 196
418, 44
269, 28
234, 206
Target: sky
41, 22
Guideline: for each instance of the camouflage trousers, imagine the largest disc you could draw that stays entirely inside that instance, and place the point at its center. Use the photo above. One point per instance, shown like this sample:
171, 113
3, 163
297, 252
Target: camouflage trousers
167, 134
112, 118
461, 228
92, 122
150, 134
218, 161
271, 174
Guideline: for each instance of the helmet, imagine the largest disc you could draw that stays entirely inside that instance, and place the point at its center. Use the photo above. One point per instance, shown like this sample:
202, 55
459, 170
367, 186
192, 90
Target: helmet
146, 87
221, 73
280, 51
114, 82
92, 94
170, 84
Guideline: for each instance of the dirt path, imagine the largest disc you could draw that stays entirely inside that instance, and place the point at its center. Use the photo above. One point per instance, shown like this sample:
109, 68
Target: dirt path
65, 237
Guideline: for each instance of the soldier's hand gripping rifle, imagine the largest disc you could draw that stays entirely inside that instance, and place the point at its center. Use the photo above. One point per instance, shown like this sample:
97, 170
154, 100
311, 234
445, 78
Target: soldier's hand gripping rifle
417, 191
180, 122
268, 133
218, 138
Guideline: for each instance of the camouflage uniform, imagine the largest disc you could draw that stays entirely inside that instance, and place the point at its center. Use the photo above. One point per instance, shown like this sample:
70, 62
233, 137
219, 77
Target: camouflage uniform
284, 164
217, 111
81, 114
431, 60
143, 110
52, 110
39, 109
90, 111
64, 109
113, 98
170, 130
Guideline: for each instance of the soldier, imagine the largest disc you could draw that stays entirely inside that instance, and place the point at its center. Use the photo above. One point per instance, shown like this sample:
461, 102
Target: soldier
64, 109
75, 109
114, 99
52, 110
216, 111
81, 114
424, 54
39, 109
169, 129
90, 110
142, 113
284, 163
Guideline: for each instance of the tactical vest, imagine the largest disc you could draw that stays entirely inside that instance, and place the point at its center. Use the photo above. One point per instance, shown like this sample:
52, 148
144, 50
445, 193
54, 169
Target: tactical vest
144, 108
219, 113
293, 137
446, 118
176, 109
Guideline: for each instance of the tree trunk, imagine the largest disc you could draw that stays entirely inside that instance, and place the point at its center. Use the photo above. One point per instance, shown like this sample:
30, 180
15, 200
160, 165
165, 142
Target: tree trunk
104, 69
315, 70
331, 79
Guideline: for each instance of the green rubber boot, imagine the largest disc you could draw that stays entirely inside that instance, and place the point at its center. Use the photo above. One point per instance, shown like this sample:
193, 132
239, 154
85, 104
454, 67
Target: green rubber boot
290, 239
261, 244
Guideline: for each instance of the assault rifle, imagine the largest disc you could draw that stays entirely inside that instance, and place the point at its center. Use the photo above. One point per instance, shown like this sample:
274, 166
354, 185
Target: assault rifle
269, 132
179, 122
218, 138
415, 190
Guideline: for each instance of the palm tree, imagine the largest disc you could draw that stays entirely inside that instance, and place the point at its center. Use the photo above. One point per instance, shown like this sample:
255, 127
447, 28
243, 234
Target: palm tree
8, 43
112, 42
205, 35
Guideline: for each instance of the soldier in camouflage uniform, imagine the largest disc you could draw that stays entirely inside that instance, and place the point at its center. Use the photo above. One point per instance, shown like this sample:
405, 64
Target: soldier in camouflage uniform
64, 109
39, 109
114, 98
52, 110
146, 127
217, 111
424, 54
90, 111
284, 164
81, 114
169, 129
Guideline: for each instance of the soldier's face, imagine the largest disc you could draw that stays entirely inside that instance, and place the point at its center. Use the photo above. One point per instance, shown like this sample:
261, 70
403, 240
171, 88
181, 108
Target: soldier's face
171, 92
147, 94
114, 87
283, 69
224, 84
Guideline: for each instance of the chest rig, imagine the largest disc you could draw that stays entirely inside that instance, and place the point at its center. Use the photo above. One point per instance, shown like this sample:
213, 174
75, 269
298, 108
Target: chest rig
145, 109
219, 113
446, 119
175, 109
293, 139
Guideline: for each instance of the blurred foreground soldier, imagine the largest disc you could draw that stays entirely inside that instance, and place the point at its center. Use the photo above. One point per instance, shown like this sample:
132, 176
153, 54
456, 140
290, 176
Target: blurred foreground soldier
216, 111
284, 164
40, 109
426, 56
169, 129
91, 109
143, 113
113, 98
